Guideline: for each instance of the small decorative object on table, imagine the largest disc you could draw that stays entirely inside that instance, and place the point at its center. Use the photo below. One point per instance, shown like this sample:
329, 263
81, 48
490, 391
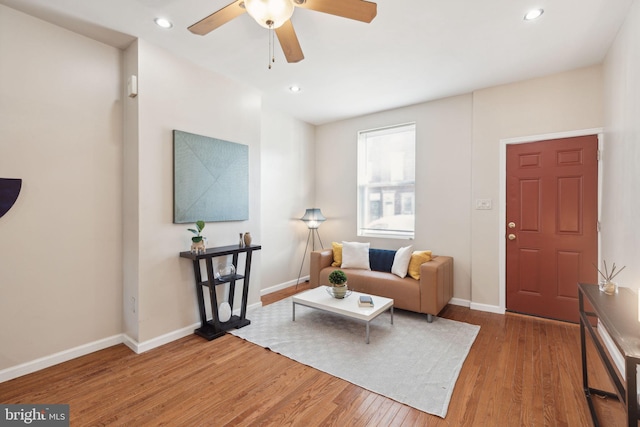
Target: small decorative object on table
224, 312
338, 281
247, 239
365, 301
241, 243
198, 245
607, 285
225, 272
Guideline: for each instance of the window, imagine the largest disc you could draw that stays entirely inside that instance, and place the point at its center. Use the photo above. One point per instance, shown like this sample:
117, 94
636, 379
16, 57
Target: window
386, 181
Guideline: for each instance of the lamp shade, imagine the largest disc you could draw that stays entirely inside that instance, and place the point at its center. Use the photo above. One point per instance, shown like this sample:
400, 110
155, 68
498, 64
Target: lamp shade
313, 218
269, 13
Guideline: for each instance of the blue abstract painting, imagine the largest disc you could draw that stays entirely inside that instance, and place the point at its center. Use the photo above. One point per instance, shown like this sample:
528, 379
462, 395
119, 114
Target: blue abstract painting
211, 179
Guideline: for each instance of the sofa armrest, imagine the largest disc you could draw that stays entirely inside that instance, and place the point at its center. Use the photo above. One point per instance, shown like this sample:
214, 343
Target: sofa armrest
436, 284
319, 260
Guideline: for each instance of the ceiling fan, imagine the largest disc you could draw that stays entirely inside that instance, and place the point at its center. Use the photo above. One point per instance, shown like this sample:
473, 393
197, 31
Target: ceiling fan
276, 14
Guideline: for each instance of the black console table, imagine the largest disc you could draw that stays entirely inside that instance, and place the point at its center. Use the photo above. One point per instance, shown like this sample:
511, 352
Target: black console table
211, 329
618, 314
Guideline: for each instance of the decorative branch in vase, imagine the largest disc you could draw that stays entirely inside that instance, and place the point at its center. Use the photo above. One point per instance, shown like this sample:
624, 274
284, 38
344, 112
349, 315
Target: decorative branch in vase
607, 285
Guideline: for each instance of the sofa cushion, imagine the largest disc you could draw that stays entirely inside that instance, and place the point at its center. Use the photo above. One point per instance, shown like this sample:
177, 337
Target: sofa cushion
401, 261
417, 258
337, 254
381, 259
355, 255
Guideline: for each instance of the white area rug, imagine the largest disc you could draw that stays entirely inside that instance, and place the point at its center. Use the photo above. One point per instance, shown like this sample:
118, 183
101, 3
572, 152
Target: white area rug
412, 361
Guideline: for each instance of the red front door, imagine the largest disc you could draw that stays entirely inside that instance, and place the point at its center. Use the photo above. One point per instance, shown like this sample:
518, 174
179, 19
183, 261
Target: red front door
551, 229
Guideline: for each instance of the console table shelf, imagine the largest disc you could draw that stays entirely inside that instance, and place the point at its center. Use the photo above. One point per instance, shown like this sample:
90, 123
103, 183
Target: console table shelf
223, 280
618, 314
214, 328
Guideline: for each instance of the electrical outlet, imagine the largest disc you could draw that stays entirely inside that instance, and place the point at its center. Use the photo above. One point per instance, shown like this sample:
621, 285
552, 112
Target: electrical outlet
483, 204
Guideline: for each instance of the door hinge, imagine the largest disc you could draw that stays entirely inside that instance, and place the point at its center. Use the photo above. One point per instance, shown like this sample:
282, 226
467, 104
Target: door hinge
598, 227
599, 155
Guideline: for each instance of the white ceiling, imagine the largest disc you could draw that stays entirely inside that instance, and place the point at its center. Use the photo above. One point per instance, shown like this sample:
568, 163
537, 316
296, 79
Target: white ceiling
413, 51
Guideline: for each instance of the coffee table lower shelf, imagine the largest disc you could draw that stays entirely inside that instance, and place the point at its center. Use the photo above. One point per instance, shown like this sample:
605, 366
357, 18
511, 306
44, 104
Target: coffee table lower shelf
320, 299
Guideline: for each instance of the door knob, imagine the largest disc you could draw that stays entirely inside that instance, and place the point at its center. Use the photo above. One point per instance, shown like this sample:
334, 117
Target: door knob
512, 237
512, 225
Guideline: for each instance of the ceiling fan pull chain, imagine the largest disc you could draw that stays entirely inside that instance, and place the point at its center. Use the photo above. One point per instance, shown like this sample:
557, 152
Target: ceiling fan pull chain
272, 57
270, 48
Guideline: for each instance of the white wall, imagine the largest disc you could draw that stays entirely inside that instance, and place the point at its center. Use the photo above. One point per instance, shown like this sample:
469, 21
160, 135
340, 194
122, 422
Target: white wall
621, 156
174, 94
458, 158
443, 180
60, 245
287, 174
558, 103
78, 284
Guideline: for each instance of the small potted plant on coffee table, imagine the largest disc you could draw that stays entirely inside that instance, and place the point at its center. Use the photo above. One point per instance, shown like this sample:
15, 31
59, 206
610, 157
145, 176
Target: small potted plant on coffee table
338, 280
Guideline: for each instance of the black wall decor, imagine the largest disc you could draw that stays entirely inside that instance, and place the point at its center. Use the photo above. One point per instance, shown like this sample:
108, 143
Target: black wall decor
9, 191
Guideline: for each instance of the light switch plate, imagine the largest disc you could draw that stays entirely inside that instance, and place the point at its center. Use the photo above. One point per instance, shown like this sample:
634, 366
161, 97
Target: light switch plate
483, 204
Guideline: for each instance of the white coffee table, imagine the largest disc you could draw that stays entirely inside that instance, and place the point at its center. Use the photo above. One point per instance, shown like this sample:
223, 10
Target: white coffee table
320, 299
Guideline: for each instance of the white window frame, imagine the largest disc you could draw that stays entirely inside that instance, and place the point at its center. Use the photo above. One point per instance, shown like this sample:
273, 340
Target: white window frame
404, 191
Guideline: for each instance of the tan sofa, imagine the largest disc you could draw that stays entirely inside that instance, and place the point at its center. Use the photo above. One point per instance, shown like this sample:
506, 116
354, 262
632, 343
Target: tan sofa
429, 295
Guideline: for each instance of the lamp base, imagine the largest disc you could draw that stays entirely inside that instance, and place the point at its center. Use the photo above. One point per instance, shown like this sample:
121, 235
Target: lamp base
311, 236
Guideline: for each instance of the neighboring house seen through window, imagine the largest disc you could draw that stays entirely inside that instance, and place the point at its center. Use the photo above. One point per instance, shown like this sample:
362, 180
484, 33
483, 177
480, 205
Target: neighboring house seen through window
386, 181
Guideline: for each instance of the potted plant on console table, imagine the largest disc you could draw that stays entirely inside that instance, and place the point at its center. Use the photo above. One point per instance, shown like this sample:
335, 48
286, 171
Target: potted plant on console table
338, 280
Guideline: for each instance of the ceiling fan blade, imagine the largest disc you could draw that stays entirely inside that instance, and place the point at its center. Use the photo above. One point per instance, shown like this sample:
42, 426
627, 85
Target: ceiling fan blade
217, 19
289, 42
360, 10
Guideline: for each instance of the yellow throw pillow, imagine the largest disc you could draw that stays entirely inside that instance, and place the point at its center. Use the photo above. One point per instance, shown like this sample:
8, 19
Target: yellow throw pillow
417, 258
337, 254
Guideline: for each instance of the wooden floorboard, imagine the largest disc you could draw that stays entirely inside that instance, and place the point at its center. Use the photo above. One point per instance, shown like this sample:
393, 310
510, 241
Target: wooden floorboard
520, 371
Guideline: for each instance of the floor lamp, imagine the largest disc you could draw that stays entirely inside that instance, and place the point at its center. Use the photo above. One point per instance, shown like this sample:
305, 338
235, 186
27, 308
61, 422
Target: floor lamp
313, 218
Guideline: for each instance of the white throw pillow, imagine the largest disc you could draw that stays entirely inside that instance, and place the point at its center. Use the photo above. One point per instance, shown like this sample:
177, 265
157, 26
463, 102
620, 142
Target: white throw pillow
355, 255
401, 261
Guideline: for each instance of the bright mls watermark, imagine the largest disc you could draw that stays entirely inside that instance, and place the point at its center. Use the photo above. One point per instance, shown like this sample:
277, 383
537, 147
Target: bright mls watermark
34, 415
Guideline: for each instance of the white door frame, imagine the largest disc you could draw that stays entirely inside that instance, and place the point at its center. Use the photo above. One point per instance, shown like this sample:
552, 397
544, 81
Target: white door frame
502, 248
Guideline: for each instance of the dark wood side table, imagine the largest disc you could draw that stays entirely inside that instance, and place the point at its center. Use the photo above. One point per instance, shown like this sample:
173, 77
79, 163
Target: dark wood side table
211, 329
619, 315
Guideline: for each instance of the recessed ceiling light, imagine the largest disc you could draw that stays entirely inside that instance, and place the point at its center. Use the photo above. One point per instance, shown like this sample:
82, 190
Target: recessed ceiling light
295, 89
533, 14
163, 22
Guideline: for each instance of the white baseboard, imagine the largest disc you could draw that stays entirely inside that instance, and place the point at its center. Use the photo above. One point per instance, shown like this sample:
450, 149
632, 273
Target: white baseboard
486, 307
617, 357
159, 341
282, 286
459, 301
54, 359
249, 307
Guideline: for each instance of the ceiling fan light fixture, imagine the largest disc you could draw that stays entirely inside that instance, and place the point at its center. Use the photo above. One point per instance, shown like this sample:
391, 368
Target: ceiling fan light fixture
269, 13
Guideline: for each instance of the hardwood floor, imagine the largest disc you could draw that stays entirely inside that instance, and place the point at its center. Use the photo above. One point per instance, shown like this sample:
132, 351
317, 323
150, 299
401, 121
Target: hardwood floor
521, 371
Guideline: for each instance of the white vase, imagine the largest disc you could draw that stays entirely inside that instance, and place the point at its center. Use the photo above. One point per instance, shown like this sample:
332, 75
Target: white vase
224, 312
